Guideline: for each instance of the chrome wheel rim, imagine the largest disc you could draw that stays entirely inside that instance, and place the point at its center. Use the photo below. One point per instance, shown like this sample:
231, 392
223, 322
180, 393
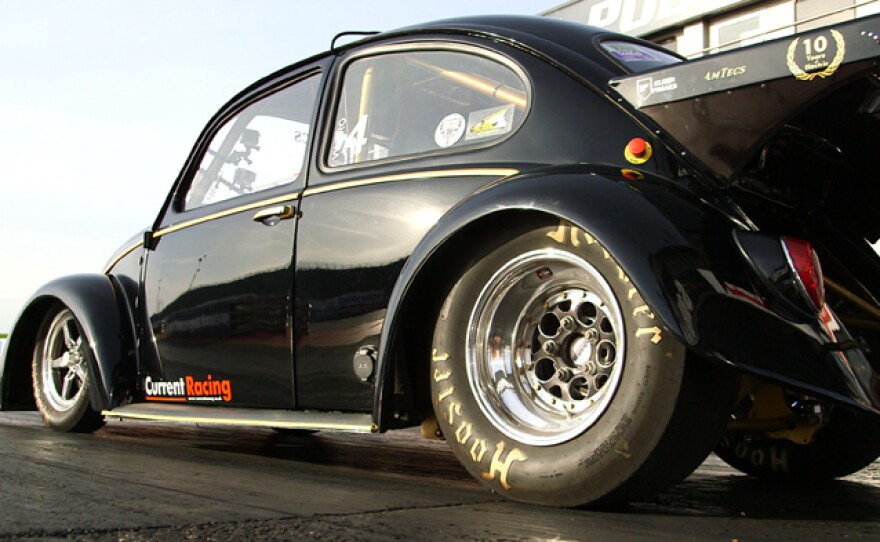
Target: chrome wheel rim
63, 370
545, 347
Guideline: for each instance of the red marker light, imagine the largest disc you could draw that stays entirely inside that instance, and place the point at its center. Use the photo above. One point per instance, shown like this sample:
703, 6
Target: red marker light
805, 263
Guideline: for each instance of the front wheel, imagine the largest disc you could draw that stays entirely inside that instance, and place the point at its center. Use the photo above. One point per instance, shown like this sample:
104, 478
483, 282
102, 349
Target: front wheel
555, 383
61, 374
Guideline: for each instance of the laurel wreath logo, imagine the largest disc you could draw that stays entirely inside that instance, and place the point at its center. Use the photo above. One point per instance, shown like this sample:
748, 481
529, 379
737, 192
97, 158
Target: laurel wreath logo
832, 67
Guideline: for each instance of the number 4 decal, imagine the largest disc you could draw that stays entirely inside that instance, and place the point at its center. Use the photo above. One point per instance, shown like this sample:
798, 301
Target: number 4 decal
355, 141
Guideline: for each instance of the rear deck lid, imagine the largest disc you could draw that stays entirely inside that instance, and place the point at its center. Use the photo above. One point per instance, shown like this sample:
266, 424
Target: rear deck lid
722, 108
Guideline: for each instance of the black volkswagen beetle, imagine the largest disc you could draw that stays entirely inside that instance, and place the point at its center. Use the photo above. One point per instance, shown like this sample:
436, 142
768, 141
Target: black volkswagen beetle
582, 260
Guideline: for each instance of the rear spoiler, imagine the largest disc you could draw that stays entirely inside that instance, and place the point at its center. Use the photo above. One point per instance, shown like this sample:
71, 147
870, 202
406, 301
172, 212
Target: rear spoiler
722, 108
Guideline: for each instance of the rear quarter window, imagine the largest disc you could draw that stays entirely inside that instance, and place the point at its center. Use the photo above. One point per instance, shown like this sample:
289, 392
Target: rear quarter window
635, 57
411, 102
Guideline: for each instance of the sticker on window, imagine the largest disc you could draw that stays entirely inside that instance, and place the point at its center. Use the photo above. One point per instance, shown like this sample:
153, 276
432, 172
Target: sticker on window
377, 152
489, 122
347, 146
626, 52
637, 56
449, 131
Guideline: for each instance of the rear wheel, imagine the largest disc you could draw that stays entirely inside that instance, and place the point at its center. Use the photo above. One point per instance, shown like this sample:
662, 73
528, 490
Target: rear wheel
849, 443
554, 382
61, 374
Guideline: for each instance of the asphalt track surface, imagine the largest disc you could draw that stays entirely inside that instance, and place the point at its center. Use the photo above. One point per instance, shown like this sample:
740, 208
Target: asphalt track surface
134, 481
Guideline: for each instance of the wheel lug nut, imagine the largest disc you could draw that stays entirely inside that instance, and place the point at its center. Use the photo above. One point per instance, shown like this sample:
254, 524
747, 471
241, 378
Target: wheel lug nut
550, 347
567, 323
592, 336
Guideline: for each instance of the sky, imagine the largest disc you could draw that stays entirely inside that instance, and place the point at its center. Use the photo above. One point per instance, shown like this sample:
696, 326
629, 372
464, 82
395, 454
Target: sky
102, 100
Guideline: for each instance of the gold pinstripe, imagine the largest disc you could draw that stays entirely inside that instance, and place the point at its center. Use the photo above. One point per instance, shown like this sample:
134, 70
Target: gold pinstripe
121, 255
366, 428
478, 172
227, 212
330, 187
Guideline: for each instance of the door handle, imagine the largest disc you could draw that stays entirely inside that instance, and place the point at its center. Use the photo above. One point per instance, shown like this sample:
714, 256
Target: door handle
273, 215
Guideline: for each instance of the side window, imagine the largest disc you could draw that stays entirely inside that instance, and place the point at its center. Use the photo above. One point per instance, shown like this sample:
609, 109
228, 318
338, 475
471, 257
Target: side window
262, 147
403, 103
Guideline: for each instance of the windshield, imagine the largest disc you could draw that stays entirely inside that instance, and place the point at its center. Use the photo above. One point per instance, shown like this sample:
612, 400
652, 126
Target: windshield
636, 57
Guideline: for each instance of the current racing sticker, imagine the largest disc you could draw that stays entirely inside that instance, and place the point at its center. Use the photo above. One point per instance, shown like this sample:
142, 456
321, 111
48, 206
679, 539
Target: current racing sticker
491, 122
449, 131
816, 56
189, 389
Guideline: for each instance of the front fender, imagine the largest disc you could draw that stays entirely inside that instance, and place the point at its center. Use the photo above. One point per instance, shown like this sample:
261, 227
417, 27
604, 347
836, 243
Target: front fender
677, 249
100, 306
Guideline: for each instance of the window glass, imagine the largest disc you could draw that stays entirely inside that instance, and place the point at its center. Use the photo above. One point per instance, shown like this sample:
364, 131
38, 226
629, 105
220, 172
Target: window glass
411, 102
262, 147
637, 57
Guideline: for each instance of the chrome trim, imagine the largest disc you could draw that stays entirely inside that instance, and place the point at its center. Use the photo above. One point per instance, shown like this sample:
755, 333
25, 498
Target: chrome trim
281, 212
331, 421
543, 372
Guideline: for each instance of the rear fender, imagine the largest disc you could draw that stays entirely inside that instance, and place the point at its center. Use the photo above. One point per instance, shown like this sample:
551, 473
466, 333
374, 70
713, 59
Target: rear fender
102, 309
677, 250
652, 228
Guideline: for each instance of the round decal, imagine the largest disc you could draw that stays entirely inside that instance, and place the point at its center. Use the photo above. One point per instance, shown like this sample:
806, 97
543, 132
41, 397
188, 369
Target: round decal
813, 58
449, 131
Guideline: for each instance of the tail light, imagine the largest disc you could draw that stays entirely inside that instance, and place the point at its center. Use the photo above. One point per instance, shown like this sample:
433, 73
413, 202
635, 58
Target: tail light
805, 263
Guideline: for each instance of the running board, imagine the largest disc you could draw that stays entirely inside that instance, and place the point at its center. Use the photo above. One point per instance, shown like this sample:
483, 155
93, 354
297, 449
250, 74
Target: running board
282, 419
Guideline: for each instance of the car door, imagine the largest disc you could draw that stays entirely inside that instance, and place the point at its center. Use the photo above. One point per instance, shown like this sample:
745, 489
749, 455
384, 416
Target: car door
217, 284
403, 119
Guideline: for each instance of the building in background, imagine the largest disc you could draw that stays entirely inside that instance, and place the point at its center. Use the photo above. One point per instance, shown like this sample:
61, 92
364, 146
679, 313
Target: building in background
695, 27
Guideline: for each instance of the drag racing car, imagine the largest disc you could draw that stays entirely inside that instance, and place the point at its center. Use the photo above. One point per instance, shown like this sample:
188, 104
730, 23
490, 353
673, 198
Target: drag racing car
582, 260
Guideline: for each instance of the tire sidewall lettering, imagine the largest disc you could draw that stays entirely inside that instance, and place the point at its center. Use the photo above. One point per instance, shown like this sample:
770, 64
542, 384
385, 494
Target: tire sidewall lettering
768, 456
495, 457
619, 439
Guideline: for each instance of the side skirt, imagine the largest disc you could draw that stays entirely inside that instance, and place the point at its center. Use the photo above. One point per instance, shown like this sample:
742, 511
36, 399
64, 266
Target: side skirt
284, 419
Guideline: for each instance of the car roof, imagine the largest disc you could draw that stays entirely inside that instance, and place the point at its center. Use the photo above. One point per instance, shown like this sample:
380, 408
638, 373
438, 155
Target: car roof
537, 32
566, 44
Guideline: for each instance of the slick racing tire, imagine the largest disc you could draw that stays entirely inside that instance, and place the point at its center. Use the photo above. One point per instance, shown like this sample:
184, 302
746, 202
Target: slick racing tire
61, 374
849, 443
554, 382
